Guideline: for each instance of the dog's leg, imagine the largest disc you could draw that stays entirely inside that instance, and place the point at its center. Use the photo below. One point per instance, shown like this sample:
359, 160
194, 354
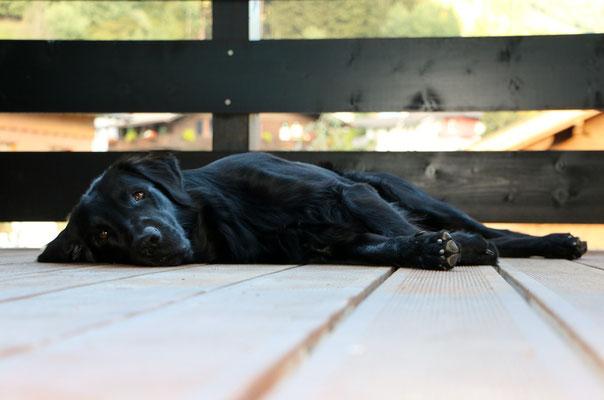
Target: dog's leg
556, 245
427, 211
430, 250
364, 204
434, 214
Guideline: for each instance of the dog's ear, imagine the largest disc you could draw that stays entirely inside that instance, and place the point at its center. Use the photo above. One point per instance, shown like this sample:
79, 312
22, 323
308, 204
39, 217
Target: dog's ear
163, 170
66, 247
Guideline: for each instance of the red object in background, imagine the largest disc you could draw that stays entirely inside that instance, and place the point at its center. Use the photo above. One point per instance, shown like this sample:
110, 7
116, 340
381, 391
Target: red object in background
459, 126
149, 134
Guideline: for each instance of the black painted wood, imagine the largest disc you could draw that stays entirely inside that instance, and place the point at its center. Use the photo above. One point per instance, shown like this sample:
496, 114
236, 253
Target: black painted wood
230, 132
490, 186
496, 73
230, 21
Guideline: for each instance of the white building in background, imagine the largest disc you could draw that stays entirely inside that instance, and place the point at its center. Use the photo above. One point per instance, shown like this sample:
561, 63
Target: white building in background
420, 131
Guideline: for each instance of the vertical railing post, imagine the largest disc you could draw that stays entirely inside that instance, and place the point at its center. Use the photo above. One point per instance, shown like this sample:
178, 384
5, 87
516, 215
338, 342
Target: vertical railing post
231, 132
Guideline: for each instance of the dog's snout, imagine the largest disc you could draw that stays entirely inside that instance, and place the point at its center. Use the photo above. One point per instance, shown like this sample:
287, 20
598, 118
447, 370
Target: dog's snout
151, 236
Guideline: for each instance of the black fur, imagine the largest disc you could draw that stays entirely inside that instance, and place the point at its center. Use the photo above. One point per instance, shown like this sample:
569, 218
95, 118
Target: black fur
257, 208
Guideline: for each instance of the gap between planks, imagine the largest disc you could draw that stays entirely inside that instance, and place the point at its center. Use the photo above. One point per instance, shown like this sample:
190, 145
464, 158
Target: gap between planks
461, 334
66, 333
575, 325
284, 366
191, 357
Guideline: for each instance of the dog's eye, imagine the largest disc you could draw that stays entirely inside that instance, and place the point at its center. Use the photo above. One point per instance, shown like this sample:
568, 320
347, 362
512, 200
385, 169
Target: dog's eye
103, 235
138, 195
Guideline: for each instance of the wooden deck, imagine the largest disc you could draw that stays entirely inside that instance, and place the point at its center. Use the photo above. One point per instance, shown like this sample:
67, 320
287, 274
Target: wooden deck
532, 329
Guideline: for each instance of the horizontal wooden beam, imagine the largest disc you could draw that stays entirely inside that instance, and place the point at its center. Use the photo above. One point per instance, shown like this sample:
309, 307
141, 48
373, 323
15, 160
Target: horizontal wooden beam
562, 187
234, 76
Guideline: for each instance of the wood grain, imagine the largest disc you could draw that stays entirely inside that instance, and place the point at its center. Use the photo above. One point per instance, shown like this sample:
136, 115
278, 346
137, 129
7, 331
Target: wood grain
462, 334
28, 285
40, 320
12, 256
572, 294
550, 186
218, 345
302, 76
593, 259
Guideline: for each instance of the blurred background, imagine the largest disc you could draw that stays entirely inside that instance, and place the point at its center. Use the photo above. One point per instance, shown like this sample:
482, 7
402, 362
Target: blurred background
303, 19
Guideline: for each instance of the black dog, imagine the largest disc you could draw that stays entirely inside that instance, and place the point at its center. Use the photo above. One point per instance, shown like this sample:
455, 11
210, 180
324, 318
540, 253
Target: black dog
257, 208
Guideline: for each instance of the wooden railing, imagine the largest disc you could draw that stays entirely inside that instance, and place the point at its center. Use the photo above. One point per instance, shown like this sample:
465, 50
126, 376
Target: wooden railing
234, 77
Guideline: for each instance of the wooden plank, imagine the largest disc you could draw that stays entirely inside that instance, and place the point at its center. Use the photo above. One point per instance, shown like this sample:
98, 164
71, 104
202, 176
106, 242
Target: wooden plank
230, 132
18, 271
310, 76
14, 263
223, 344
30, 285
593, 259
571, 294
230, 20
462, 334
41, 320
10, 256
550, 186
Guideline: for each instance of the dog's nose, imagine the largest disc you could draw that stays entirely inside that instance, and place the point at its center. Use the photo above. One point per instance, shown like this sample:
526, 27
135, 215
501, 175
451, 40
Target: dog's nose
150, 236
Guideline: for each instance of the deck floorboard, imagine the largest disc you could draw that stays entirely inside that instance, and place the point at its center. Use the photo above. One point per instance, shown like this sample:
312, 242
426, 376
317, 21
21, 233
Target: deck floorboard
570, 293
462, 334
530, 329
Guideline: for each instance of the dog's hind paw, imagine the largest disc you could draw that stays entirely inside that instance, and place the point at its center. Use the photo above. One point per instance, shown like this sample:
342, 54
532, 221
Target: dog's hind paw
439, 250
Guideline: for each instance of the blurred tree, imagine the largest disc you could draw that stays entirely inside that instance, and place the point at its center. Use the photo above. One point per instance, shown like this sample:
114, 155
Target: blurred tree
426, 19
12, 9
105, 20
326, 19
330, 133
313, 19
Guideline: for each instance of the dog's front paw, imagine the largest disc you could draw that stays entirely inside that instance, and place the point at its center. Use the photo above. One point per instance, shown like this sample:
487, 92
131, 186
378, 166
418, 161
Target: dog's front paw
565, 245
438, 250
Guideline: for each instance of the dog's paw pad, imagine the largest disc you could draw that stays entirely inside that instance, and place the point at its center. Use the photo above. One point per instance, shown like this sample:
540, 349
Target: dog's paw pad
448, 251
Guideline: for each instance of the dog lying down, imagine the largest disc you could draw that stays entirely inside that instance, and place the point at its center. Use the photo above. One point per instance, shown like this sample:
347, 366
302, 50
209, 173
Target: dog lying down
258, 208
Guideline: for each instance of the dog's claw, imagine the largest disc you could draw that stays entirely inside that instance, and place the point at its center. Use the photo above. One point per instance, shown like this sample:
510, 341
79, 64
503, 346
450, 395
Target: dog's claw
439, 241
490, 252
441, 251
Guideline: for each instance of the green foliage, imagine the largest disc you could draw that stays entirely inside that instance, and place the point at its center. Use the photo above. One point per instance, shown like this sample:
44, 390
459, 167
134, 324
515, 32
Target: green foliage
313, 19
12, 9
109, 20
120, 20
426, 19
188, 135
130, 135
331, 133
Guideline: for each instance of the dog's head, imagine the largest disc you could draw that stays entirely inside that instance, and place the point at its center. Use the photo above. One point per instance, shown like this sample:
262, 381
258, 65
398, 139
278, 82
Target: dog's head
129, 216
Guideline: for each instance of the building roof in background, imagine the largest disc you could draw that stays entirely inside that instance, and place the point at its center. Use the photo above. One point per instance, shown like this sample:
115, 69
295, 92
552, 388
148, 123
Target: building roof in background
126, 120
532, 130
